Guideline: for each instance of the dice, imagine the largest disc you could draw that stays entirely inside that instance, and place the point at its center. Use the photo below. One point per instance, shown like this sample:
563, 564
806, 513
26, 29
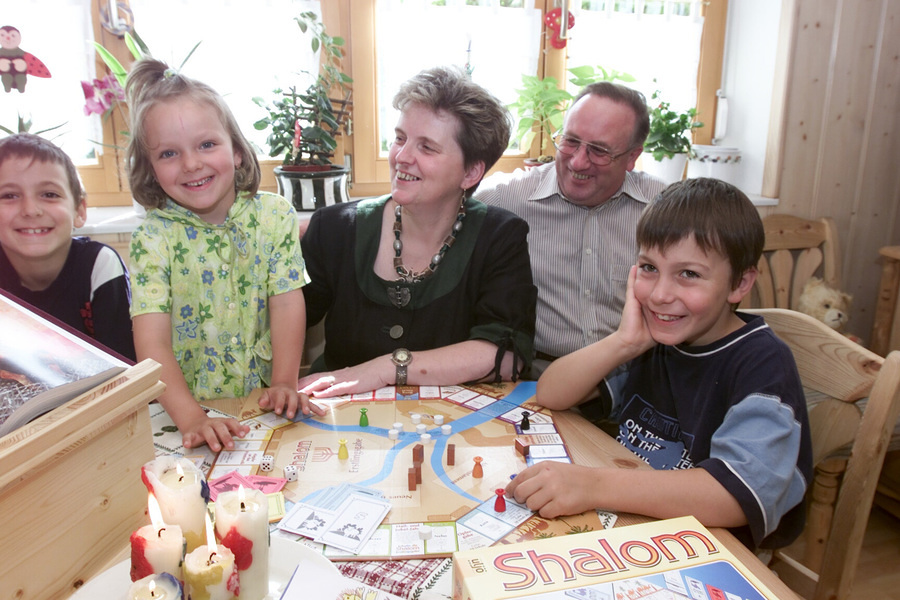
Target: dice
290, 472
267, 463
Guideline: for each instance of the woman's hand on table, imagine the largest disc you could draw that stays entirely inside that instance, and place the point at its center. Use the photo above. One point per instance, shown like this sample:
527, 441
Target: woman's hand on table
364, 377
286, 399
554, 489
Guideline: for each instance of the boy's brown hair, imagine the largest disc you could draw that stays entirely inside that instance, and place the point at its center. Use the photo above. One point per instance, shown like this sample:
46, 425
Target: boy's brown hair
28, 145
718, 215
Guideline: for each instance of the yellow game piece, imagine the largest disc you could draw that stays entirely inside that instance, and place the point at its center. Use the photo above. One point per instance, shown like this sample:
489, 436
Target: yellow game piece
343, 454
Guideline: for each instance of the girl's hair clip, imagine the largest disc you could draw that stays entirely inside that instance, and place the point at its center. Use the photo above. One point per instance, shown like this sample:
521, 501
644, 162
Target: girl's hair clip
169, 73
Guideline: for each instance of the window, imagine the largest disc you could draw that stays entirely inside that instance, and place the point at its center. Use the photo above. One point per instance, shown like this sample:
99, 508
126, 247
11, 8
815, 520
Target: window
61, 43
411, 35
247, 48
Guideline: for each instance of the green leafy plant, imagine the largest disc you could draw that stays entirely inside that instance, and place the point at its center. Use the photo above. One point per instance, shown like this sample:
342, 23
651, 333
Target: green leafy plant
304, 125
541, 104
587, 74
669, 129
540, 108
23, 125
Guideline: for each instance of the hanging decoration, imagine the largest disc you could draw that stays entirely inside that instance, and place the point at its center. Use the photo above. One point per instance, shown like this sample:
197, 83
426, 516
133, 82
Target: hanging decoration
15, 63
559, 21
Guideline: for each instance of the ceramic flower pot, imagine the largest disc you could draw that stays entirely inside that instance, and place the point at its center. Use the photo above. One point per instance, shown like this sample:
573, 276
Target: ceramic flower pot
669, 170
309, 190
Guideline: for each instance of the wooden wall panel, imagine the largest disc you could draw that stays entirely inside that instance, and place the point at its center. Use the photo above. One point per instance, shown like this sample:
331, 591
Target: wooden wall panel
841, 116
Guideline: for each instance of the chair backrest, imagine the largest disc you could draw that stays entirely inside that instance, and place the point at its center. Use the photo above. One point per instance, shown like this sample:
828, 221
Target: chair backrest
842, 373
795, 250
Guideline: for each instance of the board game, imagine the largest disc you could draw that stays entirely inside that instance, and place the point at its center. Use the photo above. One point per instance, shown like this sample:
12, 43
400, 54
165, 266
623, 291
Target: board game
421, 448
672, 559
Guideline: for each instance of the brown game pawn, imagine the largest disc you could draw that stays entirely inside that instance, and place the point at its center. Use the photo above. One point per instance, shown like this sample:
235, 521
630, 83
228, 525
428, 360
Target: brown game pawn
451, 455
412, 479
522, 446
419, 453
477, 470
417, 467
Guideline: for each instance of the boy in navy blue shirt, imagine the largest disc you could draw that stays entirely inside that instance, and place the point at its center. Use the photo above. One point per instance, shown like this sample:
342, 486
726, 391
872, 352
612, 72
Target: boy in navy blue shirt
80, 282
708, 396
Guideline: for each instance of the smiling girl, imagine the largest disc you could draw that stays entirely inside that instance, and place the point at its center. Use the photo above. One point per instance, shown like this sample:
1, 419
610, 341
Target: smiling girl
214, 263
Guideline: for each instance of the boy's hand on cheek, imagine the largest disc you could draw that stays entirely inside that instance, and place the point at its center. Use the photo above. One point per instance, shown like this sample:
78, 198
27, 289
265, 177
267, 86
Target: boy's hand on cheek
633, 329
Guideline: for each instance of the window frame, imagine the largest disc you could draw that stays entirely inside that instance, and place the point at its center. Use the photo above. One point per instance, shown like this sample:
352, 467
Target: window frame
107, 185
370, 172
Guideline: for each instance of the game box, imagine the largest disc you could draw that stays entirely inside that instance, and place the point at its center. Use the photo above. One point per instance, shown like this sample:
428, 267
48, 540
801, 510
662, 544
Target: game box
68, 497
673, 559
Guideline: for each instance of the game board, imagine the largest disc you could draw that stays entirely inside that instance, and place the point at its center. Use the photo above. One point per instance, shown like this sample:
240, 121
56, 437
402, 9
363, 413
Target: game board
484, 421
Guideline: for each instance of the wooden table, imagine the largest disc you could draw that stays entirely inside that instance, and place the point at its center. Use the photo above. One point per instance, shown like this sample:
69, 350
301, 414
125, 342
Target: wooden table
590, 446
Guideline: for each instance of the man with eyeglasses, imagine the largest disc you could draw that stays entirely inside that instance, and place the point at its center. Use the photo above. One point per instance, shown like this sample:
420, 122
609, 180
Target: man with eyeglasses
582, 211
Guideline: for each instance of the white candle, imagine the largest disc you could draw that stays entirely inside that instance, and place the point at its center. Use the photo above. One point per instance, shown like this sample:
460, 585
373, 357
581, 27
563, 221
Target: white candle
156, 548
159, 586
242, 524
209, 571
182, 492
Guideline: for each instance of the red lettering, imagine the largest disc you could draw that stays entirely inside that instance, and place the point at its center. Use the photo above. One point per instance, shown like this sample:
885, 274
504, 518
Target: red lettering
538, 561
528, 578
652, 554
590, 556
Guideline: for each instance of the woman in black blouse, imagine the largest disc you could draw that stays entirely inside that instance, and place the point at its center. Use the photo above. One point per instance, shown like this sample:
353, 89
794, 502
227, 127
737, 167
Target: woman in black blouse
425, 286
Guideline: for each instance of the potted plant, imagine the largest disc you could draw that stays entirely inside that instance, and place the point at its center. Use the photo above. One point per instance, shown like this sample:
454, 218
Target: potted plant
541, 106
539, 110
304, 125
668, 143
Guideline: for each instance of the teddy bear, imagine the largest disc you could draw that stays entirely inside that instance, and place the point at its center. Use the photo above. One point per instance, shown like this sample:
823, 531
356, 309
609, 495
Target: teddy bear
826, 304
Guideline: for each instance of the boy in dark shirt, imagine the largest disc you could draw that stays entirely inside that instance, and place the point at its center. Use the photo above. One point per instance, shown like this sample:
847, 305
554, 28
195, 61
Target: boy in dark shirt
706, 395
80, 282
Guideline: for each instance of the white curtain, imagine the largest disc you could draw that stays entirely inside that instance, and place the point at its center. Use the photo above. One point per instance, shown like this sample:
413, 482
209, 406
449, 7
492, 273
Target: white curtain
498, 44
663, 47
248, 47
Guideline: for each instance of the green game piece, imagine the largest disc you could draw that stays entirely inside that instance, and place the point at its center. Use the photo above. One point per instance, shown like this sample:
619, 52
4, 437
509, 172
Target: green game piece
363, 417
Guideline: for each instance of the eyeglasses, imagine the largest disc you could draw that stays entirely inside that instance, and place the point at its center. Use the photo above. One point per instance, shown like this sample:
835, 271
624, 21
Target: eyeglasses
601, 157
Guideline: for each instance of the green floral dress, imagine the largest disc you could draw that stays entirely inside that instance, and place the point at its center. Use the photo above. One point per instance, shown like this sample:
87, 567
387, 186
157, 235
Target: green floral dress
216, 281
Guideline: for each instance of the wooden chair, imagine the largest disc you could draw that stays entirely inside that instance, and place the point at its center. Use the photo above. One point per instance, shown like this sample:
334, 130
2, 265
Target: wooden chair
795, 250
856, 402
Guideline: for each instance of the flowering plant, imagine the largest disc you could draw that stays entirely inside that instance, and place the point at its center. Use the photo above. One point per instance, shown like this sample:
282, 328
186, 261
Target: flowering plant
669, 130
101, 94
303, 126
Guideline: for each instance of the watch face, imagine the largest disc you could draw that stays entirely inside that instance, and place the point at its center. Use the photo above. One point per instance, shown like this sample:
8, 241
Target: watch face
401, 356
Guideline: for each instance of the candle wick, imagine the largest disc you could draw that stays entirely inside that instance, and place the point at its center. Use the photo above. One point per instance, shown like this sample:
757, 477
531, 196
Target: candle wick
161, 529
180, 479
243, 507
210, 561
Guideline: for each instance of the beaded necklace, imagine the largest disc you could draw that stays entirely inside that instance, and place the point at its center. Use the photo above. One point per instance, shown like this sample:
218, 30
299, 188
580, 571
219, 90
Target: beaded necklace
408, 276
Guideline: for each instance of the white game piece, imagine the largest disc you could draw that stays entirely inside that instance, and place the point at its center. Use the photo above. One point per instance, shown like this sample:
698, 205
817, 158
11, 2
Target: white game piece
446, 429
438, 419
393, 434
416, 418
425, 438
424, 532
420, 428
398, 426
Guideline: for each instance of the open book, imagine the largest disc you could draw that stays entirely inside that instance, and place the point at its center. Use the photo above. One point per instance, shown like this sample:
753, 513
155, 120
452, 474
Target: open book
44, 364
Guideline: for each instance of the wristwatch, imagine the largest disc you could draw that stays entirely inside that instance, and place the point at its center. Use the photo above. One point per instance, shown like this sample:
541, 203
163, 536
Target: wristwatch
401, 358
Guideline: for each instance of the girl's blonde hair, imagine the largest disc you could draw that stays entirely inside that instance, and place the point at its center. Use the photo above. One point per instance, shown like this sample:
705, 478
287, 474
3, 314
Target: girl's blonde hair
152, 81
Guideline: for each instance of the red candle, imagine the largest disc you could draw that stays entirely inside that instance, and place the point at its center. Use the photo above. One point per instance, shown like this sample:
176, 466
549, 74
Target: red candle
156, 548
